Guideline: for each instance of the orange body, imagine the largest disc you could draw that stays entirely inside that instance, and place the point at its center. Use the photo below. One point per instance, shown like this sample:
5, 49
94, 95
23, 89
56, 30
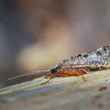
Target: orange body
69, 73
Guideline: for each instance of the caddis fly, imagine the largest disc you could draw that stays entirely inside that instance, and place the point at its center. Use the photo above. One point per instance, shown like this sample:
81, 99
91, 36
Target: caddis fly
77, 65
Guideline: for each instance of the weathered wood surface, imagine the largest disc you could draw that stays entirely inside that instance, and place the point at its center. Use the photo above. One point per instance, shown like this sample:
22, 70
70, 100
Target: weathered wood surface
59, 94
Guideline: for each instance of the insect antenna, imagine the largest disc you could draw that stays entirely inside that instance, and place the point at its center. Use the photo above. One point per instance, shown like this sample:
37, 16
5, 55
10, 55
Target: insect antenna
25, 77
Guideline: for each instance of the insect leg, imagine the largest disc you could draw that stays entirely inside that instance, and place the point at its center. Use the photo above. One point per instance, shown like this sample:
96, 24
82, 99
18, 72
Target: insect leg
49, 76
83, 71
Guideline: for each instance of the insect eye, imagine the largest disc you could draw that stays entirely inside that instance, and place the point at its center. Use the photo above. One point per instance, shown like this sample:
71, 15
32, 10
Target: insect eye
55, 69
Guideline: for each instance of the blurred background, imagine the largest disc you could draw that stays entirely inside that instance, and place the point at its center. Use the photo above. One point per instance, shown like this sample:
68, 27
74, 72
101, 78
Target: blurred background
37, 34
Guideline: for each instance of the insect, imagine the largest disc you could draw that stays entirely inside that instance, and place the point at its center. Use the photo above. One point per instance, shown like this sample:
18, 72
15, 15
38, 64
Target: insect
79, 65
82, 63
